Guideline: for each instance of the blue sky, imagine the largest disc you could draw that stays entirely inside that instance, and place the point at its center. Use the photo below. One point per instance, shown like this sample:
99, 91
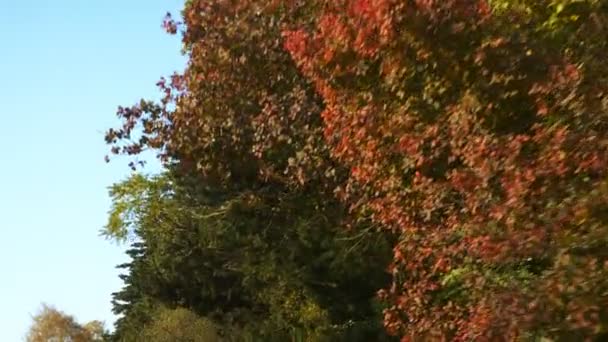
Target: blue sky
65, 66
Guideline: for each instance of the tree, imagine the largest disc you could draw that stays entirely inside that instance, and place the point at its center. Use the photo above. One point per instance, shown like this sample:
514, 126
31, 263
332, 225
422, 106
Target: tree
179, 325
243, 228
469, 135
476, 129
50, 324
255, 266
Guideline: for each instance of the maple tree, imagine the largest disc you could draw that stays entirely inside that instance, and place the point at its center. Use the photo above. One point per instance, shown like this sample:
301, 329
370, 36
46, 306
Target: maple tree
477, 130
474, 130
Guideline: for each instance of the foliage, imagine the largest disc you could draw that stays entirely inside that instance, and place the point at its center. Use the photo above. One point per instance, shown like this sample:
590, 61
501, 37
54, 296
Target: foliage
477, 130
473, 130
179, 325
252, 262
241, 113
243, 228
50, 324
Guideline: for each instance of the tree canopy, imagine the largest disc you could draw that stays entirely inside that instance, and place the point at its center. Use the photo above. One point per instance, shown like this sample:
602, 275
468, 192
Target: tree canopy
354, 169
50, 324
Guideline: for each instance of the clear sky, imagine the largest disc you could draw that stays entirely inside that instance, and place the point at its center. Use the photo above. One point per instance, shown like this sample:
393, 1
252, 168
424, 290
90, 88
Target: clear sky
65, 66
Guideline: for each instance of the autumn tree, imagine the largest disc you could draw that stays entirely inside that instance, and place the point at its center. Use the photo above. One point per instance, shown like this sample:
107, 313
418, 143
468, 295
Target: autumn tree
477, 131
50, 324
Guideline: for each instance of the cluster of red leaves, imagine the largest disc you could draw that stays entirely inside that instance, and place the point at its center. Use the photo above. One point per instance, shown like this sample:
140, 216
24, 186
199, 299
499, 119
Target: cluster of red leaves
478, 139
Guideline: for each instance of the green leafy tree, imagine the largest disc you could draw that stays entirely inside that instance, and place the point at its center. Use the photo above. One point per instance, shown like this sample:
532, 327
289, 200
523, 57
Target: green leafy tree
263, 264
178, 325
